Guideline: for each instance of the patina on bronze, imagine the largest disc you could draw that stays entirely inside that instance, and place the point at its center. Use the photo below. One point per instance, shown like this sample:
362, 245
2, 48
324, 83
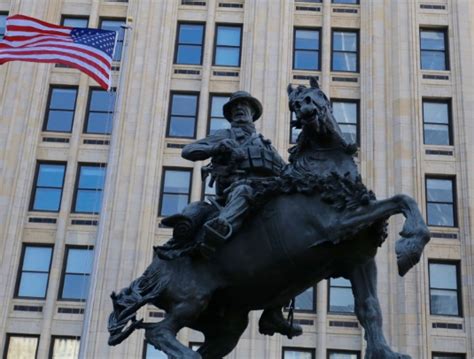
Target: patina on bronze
313, 220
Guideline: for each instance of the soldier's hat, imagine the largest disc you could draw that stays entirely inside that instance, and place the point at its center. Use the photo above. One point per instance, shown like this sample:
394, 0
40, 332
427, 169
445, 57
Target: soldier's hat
239, 96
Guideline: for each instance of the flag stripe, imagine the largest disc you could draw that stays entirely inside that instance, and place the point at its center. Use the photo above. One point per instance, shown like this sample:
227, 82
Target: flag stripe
67, 60
33, 40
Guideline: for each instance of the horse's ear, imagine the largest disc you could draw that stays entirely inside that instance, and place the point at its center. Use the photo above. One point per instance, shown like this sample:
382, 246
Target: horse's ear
313, 81
289, 89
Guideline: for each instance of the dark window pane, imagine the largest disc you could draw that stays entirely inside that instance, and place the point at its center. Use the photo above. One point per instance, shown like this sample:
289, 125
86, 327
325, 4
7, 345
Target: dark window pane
182, 126
306, 300
50, 175
306, 60
440, 215
37, 259
63, 99
76, 286
3, 19
444, 302
307, 39
345, 112
297, 354
439, 190
436, 134
432, 40
88, 201
229, 36
60, 121
295, 132
191, 34
449, 356
208, 190
344, 62
47, 199
33, 284
175, 194
437, 112
218, 124
345, 41
79, 260
341, 298
100, 123
349, 132
345, 1
433, 60
189, 55
342, 355
177, 181
227, 56
173, 203
218, 103
443, 276
102, 101
91, 177
184, 105
152, 353
75, 22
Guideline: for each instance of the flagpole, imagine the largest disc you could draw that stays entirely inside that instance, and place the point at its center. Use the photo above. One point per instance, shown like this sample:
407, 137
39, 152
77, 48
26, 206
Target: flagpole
105, 215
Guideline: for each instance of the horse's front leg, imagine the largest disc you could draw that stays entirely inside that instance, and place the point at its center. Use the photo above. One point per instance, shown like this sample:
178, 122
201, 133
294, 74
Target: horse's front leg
367, 308
415, 234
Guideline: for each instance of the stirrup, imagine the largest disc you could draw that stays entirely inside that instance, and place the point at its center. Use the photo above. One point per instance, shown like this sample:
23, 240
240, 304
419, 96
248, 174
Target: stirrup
213, 235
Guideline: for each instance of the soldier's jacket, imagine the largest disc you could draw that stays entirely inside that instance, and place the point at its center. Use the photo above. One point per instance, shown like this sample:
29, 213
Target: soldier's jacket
261, 158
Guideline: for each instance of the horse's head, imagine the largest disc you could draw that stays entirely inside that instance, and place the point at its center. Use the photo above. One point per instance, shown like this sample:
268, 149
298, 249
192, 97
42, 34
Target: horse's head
314, 116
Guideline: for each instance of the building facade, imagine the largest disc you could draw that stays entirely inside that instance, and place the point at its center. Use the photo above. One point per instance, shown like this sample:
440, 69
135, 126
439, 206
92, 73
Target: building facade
87, 175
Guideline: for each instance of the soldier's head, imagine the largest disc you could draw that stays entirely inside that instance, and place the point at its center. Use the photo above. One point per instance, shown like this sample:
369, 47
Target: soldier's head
242, 108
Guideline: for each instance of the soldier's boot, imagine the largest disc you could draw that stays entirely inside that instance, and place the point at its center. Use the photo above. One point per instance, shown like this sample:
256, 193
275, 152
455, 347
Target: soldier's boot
272, 321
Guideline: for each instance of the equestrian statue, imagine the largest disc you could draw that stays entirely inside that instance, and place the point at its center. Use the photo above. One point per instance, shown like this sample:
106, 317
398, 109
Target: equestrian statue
272, 231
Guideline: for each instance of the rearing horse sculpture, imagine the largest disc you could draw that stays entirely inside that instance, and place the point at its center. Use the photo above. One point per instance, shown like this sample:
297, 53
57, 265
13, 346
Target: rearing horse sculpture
315, 222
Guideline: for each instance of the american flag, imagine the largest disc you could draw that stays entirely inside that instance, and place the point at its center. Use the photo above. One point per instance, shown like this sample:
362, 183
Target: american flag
88, 50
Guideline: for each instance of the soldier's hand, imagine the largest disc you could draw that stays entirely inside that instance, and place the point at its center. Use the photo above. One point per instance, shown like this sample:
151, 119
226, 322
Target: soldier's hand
227, 145
238, 155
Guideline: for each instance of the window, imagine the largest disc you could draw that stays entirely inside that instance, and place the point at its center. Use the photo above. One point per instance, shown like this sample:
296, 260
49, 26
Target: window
151, 353
100, 112
306, 53
48, 188
306, 301
341, 299
437, 122
440, 194
75, 21
445, 296
345, 2
208, 190
343, 354
345, 48
183, 115
346, 113
64, 348
115, 25
22, 346
61, 108
189, 44
217, 121
448, 356
175, 191
3, 20
89, 187
298, 353
294, 132
227, 45
33, 274
433, 48
76, 273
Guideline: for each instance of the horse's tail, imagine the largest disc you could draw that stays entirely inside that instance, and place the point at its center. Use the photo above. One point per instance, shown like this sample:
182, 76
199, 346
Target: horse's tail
141, 291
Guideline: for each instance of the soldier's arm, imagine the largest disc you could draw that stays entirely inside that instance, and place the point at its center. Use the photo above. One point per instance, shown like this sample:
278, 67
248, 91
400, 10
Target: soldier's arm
203, 149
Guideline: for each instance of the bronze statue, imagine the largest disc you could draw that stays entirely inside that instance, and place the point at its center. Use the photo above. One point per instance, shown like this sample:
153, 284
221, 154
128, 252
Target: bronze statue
314, 221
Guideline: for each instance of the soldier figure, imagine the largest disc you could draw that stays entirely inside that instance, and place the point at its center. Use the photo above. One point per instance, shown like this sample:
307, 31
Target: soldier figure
237, 154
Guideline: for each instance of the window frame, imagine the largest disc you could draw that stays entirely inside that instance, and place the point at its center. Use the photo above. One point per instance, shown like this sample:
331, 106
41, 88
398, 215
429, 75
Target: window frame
240, 26
170, 108
63, 272
457, 264
162, 184
320, 30
113, 91
52, 87
357, 124
54, 337
448, 102
307, 311
35, 187
347, 29
81, 17
122, 19
452, 178
76, 185
21, 335
20, 270
176, 45
329, 311
446, 46
6, 15
342, 351
209, 108
312, 351
340, 3
452, 355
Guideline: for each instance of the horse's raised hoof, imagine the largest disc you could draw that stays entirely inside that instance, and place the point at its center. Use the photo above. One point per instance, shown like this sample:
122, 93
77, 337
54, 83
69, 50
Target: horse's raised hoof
409, 250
